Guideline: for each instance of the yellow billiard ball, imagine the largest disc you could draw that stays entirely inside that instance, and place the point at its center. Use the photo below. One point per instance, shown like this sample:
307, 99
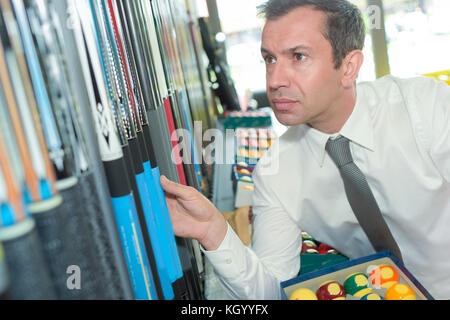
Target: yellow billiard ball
303, 294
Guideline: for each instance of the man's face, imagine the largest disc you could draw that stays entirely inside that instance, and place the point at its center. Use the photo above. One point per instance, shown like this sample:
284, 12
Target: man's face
302, 83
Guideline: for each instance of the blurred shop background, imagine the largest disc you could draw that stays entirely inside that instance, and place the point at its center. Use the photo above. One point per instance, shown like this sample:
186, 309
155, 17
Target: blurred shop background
416, 32
412, 39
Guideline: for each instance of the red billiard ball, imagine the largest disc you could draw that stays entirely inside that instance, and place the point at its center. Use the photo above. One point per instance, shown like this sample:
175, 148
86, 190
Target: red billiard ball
309, 245
324, 249
331, 290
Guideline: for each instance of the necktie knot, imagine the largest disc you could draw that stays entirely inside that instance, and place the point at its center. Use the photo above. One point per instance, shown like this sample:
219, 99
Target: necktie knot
339, 151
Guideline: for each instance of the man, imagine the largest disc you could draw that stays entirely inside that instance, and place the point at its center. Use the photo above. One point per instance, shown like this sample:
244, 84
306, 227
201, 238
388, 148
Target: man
399, 136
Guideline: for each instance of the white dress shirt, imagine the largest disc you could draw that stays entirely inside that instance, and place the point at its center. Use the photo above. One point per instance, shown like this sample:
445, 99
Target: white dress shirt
400, 139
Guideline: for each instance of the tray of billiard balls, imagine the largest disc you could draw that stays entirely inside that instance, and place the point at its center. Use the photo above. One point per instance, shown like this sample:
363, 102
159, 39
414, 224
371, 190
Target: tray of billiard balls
380, 276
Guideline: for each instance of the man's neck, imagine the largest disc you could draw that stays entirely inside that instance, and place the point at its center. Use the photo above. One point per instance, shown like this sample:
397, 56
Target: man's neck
338, 113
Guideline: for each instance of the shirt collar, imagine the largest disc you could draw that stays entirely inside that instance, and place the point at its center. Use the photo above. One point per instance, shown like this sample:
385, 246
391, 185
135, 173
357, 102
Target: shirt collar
358, 129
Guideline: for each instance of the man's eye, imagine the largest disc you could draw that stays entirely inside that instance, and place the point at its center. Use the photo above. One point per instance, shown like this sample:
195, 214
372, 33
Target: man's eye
269, 60
299, 56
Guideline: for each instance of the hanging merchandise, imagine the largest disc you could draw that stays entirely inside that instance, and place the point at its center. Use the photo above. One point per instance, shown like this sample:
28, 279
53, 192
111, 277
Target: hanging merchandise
98, 99
95, 191
162, 232
218, 72
26, 184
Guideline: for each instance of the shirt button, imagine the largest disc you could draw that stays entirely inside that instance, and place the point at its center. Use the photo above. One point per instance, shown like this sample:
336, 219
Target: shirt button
228, 261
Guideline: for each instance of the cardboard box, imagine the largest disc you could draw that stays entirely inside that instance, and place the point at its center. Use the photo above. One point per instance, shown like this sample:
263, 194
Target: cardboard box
339, 272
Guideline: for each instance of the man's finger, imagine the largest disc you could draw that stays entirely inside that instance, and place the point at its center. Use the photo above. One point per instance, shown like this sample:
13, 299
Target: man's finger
175, 189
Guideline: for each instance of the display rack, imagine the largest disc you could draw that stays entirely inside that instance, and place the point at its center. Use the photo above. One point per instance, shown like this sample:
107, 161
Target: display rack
93, 94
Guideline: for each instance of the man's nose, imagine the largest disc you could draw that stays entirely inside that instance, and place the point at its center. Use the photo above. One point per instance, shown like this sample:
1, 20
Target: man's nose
277, 76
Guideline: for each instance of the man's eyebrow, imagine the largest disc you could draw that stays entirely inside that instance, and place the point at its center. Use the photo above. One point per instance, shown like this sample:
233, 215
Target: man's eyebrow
265, 51
289, 50
293, 49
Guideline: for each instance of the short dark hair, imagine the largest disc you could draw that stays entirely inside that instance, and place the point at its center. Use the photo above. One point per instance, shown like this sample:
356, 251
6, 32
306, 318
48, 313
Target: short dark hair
344, 29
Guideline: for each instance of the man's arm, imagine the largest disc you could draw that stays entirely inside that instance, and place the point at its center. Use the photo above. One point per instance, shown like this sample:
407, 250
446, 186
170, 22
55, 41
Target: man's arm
428, 103
243, 272
440, 146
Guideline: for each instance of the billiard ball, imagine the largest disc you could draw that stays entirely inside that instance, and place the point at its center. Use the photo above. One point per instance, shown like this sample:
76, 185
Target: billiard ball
243, 133
400, 291
383, 276
356, 284
262, 134
243, 142
253, 143
308, 245
371, 296
262, 143
331, 290
244, 172
323, 248
245, 179
303, 294
326, 249
306, 236
242, 152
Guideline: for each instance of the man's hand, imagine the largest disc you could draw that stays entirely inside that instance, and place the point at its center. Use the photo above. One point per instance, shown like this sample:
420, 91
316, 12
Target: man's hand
194, 216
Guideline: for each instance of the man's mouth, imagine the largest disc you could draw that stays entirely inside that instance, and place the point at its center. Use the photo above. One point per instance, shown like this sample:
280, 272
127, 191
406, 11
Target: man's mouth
283, 104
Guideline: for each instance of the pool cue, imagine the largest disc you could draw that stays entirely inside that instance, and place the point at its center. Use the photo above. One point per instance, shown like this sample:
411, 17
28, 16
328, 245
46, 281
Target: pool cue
185, 246
119, 225
156, 238
177, 87
193, 173
157, 190
175, 122
179, 284
195, 77
156, 116
189, 105
175, 140
168, 119
23, 256
72, 220
208, 112
112, 156
45, 208
168, 240
95, 190
127, 130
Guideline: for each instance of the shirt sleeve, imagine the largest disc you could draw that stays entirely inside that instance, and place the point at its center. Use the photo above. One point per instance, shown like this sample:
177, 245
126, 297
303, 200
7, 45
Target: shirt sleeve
440, 146
255, 273
428, 102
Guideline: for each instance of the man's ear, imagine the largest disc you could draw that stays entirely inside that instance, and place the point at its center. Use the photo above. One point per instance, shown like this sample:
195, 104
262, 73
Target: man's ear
350, 67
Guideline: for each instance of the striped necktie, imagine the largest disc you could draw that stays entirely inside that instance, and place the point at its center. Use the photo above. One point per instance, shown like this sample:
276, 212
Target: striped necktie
361, 198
